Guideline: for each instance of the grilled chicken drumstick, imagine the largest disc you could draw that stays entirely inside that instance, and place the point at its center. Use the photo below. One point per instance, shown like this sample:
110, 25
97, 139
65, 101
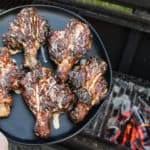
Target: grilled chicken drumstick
89, 85
44, 97
10, 76
27, 32
69, 45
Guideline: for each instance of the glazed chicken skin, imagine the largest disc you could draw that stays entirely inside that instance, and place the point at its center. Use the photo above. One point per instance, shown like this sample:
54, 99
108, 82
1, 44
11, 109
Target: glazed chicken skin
27, 32
89, 86
10, 76
68, 46
44, 97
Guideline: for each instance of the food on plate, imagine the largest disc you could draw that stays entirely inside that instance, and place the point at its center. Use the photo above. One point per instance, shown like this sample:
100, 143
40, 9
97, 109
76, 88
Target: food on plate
10, 76
68, 46
89, 85
44, 96
47, 95
27, 32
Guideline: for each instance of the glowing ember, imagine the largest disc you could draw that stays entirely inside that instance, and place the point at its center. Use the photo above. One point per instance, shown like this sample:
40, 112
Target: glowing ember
130, 129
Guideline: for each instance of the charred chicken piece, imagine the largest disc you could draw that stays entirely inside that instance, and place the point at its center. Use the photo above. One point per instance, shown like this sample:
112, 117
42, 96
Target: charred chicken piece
68, 46
5, 103
89, 85
10, 76
27, 32
44, 97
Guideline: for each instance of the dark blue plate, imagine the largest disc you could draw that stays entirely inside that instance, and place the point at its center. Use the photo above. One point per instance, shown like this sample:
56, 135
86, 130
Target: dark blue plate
19, 126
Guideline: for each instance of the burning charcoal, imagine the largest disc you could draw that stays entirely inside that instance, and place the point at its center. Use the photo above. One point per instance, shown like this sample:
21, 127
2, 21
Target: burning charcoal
128, 119
131, 86
117, 102
142, 127
126, 135
123, 84
112, 134
125, 105
141, 89
144, 106
131, 129
112, 122
148, 95
116, 89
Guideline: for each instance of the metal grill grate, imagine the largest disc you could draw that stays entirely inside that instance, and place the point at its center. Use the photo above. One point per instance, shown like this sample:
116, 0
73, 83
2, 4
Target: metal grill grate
136, 90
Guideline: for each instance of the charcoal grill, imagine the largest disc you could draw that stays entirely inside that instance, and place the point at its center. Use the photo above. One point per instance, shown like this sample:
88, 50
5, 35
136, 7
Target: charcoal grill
128, 54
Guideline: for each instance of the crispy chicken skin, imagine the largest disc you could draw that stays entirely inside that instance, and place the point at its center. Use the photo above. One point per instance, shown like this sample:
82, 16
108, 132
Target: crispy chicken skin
27, 32
44, 97
68, 46
89, 86
5, 103
10, 76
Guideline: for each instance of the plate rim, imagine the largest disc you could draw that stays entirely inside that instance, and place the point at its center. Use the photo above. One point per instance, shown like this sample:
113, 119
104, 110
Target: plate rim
109, 66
